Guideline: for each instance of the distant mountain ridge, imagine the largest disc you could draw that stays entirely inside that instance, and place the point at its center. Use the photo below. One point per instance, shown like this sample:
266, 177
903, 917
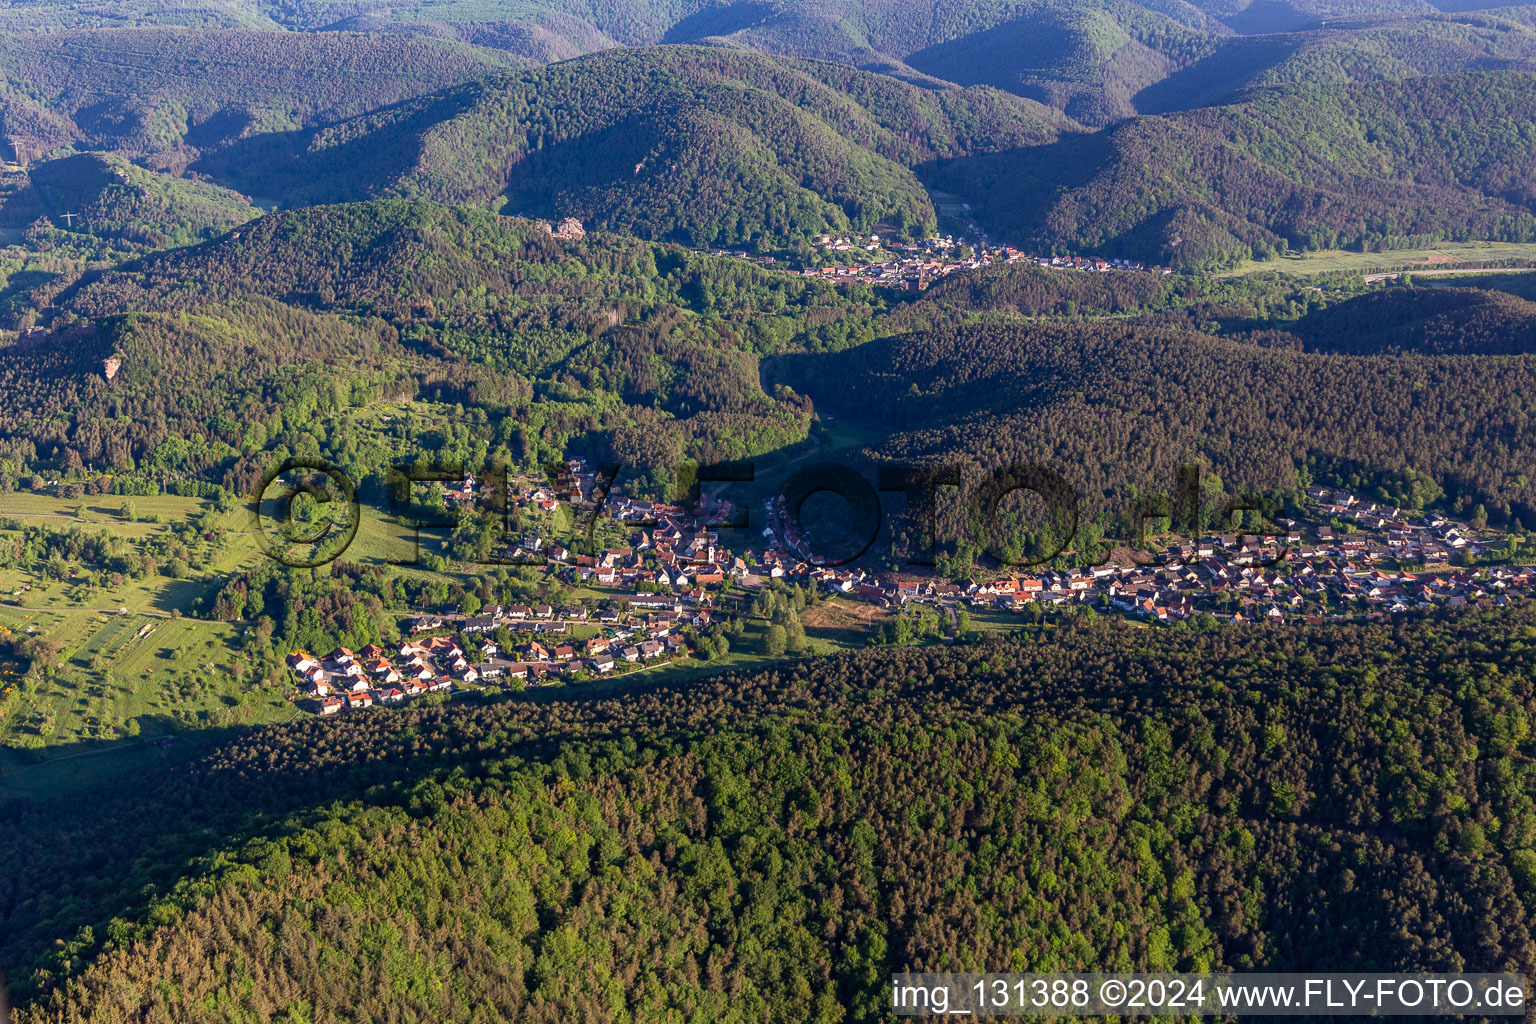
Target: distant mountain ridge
148, 91
1342, 129
1316, 166
1088, 58
702, 145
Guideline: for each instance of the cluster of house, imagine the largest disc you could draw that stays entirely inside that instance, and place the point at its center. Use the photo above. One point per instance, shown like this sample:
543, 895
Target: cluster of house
464, 652
916, 271
672, 548
1308, 571
646, 632
1169, 593
1311, 571
913, 266
1349, 558
374, 675
673, 557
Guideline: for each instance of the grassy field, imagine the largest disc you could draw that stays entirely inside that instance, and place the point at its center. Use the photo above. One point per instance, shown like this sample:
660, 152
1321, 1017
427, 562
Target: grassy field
134, 665
995, 620
122, 680
838, 624
1446, 257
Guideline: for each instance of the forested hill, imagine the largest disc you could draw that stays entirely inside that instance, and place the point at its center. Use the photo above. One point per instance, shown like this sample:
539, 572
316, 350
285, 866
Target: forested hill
423, 260
1423, 159
231, 347
1088, 59
379, 257
1435, 320
157, 90
773, 846
107, 197
1085, 57
690, 144
1348, 49
162, 89
1089, 54
1115, 407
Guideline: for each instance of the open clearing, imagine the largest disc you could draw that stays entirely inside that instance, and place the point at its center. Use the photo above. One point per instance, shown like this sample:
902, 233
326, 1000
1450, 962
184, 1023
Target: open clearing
839, 624
1444, 257
134, 665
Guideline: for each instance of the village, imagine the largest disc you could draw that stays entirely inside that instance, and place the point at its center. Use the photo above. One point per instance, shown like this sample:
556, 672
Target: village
1351, 558
913, 266
545, 647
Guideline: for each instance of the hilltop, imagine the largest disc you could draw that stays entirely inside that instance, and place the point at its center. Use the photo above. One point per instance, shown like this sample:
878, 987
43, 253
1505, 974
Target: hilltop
1115, 407
102, 196
1349, 49
1435, 320
705, 146
1317, 166
237, 341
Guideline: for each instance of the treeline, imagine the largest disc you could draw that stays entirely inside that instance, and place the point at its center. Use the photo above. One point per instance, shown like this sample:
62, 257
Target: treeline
1099, 799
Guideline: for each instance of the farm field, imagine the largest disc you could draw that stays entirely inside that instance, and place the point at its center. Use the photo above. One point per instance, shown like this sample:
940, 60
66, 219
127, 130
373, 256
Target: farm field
1445, 257
381, 539
156, 595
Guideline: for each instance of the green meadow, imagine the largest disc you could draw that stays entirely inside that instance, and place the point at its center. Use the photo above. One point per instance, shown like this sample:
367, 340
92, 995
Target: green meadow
1439, 258
134, 665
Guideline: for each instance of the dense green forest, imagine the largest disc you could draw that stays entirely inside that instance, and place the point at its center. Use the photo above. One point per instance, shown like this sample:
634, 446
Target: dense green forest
1398, 48
730, 146
163, 92
721, 147
767, 846
246, 349
1115, 407
235, 232
258, 342
98, 199
703, 146
238, 231
1095, 60
1316, 166
1431, 320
